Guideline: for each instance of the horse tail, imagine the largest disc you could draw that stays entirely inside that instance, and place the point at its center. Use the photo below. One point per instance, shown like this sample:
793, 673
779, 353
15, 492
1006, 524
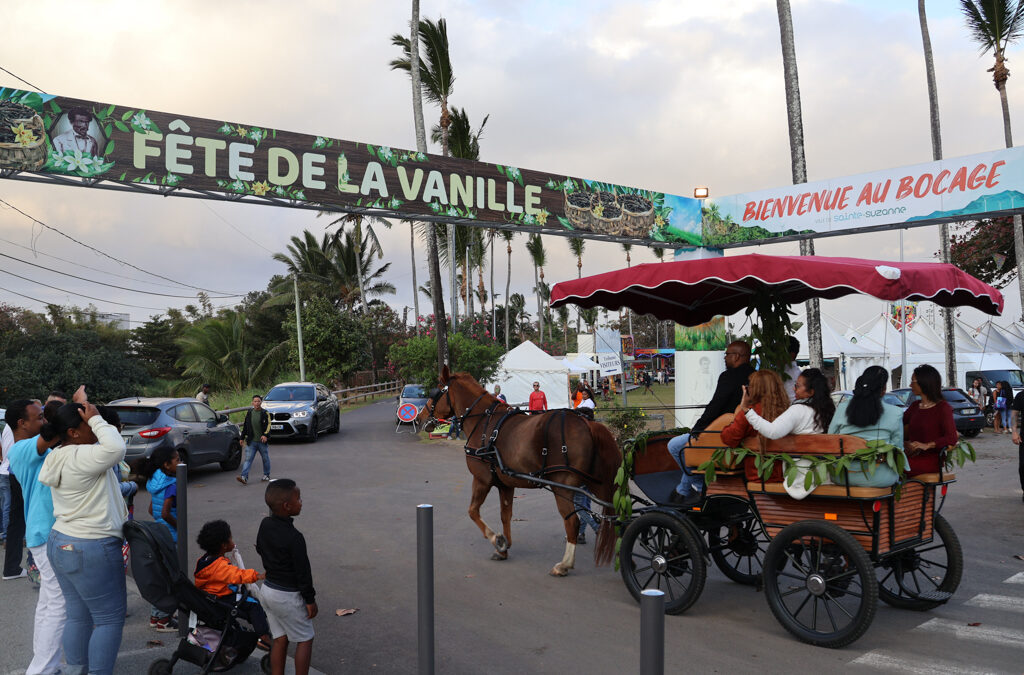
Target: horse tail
609, 460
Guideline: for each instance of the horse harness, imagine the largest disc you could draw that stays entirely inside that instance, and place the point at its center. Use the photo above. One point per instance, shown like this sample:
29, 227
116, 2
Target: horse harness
488, 450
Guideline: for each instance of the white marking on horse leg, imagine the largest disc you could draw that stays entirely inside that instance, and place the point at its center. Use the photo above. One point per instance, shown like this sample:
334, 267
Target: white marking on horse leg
562, 568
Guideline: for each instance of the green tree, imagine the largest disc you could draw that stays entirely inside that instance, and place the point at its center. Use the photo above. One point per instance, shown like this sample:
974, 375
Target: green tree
66, 359
217, 351
155, 344
413, 361
334, 341
539, 257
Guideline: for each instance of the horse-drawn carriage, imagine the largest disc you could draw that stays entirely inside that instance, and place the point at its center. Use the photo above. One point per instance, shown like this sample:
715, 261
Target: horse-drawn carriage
823, 561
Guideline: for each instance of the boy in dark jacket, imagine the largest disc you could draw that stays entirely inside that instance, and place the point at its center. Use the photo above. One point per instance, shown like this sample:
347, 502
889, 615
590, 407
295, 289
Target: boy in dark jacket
288, 595
256, 435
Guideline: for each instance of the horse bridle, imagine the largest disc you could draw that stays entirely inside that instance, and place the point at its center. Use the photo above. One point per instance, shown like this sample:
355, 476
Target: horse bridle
457, 422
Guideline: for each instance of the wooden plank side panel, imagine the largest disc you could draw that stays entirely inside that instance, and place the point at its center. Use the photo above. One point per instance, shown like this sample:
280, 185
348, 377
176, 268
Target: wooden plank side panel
854, 516
728, 485
908, 512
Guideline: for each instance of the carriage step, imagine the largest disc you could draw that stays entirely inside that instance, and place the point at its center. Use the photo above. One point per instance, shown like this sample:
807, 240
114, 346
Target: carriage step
935, 596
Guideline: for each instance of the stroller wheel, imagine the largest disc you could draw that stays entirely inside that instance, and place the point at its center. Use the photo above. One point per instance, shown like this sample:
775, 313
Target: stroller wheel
162, 667
265, 664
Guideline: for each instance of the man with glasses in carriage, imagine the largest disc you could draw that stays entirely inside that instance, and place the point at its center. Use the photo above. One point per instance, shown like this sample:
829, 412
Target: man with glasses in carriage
727, 396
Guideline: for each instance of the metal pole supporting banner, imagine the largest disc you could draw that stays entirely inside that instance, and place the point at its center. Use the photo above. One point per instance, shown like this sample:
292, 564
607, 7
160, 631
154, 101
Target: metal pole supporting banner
652, 633
425, 587
181, 479
298, 328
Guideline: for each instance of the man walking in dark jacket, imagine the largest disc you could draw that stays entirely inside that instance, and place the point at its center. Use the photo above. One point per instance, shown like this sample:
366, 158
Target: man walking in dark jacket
255, 435
725, 399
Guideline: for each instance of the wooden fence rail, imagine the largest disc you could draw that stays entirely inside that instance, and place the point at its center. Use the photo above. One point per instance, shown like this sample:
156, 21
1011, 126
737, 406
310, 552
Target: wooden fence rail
353, 393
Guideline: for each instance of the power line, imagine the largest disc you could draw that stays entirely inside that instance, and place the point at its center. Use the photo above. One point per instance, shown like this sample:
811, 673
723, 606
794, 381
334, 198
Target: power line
89, 297
232, 226
107, 255
43, 302
78, 264
103, 283
22, 80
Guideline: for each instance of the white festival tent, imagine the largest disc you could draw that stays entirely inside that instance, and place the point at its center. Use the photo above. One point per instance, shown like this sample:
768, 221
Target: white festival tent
883, 333
852, 358
520, 367
573, 368
993, 339
585, 364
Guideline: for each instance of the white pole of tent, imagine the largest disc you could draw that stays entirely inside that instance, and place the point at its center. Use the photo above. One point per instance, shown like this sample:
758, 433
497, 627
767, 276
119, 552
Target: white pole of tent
903, 330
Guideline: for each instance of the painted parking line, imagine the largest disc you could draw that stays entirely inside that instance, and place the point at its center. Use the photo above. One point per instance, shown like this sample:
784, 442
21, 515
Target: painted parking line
914, 665
1003, 602
996, 635
1017, 578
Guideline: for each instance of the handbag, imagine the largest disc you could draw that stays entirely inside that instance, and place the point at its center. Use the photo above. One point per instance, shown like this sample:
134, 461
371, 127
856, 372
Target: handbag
1000, 403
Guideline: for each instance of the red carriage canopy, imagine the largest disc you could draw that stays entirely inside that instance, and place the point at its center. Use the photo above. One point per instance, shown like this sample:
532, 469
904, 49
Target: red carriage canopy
691, 292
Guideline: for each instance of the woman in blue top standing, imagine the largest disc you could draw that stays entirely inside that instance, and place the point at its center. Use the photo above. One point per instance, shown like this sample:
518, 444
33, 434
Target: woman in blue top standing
867, 416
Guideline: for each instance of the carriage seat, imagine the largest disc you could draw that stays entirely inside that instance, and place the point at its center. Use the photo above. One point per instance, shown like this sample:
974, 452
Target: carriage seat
827, 490
934, 478
807, 444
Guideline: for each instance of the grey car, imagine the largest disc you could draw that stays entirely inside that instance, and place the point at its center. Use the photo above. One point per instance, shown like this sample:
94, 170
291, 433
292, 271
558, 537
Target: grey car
301, 410
416, 394
194, 429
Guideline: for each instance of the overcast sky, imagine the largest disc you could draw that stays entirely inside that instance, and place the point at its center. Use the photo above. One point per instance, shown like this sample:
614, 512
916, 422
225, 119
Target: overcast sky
663, 94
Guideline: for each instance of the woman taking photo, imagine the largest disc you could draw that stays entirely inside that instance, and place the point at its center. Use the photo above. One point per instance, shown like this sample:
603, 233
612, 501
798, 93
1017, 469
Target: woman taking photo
84, 547
928, 425
866, 416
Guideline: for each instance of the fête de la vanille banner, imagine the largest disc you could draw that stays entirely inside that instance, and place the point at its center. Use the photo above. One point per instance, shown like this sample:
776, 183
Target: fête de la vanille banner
44, 134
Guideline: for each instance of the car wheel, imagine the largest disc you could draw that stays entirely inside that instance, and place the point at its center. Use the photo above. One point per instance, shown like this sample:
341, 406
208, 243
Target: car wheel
314, 430
183, 457
970, 433
234, 457
337, 422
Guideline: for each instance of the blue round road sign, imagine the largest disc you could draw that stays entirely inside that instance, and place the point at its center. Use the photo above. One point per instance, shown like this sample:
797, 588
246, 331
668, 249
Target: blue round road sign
408, 412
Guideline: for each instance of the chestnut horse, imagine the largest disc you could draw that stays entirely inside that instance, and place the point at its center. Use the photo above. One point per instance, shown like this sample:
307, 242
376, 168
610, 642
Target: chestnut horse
505, 448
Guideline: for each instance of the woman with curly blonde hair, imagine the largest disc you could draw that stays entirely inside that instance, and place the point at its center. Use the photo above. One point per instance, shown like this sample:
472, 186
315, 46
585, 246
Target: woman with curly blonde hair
767, 396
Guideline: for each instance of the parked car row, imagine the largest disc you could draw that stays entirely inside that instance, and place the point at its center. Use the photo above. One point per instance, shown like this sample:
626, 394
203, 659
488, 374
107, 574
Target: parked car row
203, 436
967, 416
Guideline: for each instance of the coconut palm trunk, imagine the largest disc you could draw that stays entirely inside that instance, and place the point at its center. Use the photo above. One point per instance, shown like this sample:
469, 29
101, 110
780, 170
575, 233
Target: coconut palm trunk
507, 236
415, 284
948, 333
799, 165
433, 262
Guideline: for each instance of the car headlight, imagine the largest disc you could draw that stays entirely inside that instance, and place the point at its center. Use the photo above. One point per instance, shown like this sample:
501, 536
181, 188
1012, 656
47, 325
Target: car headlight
301, 413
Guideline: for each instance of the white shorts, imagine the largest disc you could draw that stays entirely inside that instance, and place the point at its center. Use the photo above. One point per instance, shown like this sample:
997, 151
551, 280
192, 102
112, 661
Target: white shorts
286, 614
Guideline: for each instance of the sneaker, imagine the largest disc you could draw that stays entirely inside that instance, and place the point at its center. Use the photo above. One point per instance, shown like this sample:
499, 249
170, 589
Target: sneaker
265, 479
581, 539
21, 575
165, 625
242, 479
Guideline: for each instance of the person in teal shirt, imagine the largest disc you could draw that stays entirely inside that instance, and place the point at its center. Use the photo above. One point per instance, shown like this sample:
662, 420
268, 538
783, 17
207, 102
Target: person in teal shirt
867, 416
26, 419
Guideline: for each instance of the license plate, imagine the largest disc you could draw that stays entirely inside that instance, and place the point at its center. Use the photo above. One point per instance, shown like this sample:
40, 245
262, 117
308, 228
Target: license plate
276, 427
969, 411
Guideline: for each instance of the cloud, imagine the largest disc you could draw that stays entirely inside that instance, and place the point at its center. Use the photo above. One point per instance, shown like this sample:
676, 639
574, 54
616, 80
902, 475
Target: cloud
656, 93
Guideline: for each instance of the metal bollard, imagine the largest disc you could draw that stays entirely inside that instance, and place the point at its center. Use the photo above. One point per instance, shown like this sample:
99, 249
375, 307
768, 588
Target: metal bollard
425, 587
652, 633
181, 479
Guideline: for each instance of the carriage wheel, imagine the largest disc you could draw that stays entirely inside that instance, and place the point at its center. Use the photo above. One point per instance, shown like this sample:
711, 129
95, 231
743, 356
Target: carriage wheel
931, 570
738, 549
820, 584
659, 552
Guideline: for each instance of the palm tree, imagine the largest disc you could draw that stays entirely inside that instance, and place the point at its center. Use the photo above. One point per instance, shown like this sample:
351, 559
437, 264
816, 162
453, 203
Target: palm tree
216, 351
949, 334
563, 317
576, 246
355, 221
437, 81
796, 154
518, 306
507, 235
415, 71
994, 24
415, 295
463, 142
535, 247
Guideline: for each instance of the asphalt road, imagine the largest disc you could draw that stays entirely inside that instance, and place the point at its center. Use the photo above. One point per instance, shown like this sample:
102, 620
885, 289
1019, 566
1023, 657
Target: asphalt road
360, 489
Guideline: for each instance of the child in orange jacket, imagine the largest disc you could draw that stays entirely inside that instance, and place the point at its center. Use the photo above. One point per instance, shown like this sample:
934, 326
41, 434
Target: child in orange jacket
216, 575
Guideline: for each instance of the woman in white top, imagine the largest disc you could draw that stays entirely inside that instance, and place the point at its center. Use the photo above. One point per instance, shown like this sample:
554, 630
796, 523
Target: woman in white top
810, 414
84, 547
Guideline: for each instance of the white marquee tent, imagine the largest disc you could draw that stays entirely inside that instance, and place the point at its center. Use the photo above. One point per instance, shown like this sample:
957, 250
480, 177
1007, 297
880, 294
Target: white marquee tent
852, 358
520, 367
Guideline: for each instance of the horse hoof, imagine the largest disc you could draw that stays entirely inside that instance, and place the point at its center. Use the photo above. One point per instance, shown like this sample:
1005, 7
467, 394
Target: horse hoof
501, 543
559, 571
499, 556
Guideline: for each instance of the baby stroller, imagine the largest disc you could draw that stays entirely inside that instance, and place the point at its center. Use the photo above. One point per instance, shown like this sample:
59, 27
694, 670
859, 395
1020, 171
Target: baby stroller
218, 641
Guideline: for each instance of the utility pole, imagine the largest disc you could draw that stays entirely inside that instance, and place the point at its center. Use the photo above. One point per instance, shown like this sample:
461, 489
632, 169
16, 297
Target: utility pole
298, 328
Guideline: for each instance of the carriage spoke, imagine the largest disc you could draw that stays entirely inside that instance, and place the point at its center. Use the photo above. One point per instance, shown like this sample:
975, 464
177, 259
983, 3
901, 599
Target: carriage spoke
814, 614
653, 575
828, 611
840, 606
797, 565
932, 563
792, 590
802, 579
802, 604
